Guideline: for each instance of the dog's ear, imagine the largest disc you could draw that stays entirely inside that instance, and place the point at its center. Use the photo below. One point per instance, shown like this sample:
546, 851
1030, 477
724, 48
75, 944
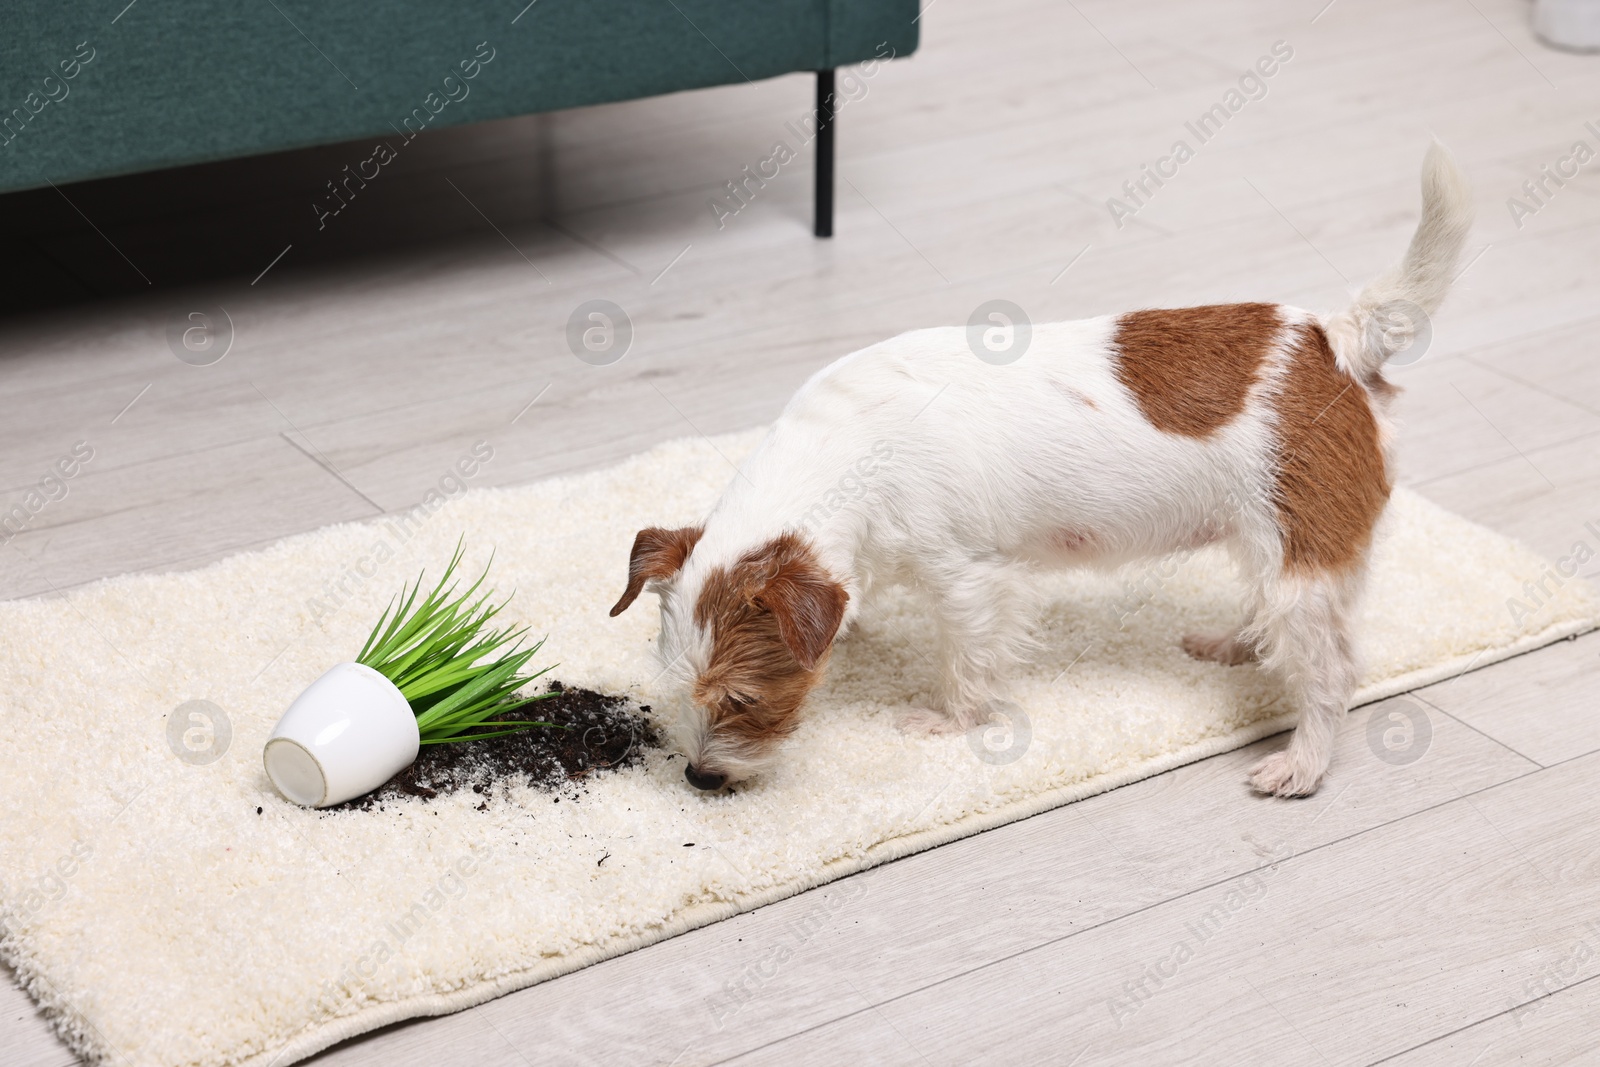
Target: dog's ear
657, 554
808, 607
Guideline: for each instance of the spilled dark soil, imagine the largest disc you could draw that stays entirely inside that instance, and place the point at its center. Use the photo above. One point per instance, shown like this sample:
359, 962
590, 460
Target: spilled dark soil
594, 733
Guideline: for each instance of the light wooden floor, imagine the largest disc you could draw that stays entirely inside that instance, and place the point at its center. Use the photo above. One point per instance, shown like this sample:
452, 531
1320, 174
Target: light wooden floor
1441, 912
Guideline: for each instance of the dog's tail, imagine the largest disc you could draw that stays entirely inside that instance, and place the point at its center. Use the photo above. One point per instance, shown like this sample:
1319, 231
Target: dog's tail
1390, 317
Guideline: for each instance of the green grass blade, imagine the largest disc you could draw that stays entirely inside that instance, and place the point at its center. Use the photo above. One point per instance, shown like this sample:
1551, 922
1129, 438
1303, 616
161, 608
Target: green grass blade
458, 672
490, 679
520, 728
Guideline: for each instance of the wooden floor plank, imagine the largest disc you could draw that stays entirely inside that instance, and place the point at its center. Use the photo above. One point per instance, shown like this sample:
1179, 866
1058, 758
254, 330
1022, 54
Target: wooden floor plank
1558, 1029
25, 1036
1546, 497
207, 502
1541, 706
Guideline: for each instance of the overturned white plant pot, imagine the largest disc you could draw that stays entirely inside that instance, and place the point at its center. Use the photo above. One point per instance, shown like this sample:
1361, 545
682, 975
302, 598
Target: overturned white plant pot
349, 732
432, 671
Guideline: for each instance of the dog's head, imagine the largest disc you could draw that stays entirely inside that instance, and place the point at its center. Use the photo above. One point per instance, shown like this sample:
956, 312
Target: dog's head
744, 640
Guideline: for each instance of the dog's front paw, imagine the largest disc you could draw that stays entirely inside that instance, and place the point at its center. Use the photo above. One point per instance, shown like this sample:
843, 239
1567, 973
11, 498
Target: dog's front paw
1280, 775
1225, 649
927, 722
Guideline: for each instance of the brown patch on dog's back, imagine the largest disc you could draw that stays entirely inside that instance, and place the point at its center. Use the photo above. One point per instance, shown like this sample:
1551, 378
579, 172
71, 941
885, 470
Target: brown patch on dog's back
1191, 369
772, 617
1331, 482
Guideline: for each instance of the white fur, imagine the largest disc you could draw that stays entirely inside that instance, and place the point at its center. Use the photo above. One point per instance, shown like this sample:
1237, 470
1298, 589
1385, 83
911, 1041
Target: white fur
913, 461
1360, 334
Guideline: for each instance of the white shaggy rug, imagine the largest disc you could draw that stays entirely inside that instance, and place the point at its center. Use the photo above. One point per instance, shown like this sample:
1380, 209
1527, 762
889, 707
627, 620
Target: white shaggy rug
132, 881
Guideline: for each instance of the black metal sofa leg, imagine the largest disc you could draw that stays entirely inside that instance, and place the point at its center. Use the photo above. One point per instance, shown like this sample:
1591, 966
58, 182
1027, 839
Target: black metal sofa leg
824, 179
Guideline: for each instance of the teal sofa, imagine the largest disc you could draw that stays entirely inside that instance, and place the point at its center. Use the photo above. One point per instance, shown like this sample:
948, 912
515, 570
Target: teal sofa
95, 90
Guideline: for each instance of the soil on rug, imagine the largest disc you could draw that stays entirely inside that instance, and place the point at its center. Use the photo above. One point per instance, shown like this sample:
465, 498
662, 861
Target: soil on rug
601, 734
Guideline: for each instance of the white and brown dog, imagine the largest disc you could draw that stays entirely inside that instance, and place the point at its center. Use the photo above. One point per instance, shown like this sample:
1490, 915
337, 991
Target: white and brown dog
1259, 426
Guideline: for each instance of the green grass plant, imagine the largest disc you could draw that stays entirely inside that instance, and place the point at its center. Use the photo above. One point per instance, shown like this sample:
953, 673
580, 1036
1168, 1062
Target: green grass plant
459, 675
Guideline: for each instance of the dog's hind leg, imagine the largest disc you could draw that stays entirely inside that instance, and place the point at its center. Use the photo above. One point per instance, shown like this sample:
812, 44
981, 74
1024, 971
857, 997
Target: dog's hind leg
1230, 649
1302, 628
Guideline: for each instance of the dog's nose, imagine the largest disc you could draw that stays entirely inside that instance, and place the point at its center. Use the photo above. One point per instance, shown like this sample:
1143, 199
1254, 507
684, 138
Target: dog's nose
707, 780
